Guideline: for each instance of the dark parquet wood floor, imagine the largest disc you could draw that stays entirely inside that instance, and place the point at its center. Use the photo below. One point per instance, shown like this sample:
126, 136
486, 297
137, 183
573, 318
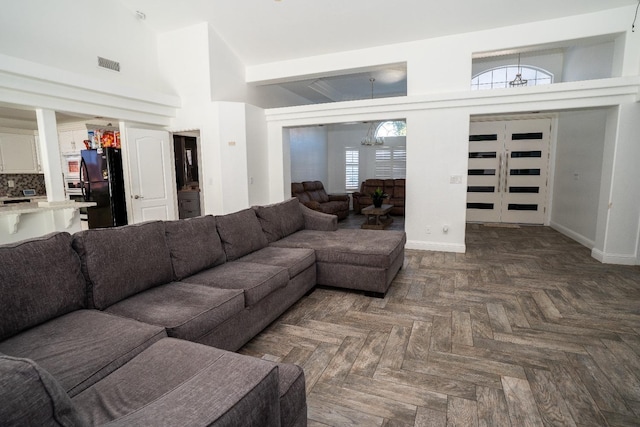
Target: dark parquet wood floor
525, 329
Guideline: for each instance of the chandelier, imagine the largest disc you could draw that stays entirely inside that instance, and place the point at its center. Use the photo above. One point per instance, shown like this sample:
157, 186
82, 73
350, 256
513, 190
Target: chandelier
371, 138
518, 81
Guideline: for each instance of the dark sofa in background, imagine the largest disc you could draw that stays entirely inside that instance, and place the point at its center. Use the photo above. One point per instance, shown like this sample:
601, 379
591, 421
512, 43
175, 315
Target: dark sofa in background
394, 188
313, 195
109, 325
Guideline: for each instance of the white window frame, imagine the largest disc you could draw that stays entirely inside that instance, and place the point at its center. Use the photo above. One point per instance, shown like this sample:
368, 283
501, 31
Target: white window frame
351, 169
391, 162
499, 77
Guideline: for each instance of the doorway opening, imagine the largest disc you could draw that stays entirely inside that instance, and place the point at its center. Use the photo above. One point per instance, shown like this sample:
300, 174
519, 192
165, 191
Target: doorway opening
185, 149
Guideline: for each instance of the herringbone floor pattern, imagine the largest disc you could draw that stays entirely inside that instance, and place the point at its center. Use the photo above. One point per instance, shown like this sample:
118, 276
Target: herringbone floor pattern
525, 329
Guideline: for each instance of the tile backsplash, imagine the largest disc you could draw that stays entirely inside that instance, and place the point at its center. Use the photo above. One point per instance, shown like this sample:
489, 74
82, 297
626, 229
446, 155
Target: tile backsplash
22, 181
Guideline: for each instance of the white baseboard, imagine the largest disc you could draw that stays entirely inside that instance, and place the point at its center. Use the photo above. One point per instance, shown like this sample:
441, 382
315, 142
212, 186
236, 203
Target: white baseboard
584, 241
620, 259
434, 246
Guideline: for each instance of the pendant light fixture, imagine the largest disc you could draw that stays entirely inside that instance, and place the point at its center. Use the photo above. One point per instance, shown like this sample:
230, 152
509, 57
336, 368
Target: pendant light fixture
371, 138
518, 81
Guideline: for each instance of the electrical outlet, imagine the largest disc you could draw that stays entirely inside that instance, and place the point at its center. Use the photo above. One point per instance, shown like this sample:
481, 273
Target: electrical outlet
11, 183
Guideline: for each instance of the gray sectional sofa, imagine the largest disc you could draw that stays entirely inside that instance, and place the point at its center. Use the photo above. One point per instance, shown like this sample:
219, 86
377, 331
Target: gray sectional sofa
136, 325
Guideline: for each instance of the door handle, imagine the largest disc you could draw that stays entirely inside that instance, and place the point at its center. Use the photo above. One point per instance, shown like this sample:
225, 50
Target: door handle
138, 197
499, 172
506, 171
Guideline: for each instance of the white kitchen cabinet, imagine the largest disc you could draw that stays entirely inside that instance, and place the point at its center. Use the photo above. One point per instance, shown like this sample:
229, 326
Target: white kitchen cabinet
18, 153
71, 141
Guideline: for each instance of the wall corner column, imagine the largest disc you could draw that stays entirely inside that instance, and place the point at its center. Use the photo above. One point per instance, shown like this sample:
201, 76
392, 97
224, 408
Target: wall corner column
50, 155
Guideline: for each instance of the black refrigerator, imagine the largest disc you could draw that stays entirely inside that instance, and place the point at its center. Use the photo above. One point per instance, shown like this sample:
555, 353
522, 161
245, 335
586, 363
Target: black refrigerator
102, 182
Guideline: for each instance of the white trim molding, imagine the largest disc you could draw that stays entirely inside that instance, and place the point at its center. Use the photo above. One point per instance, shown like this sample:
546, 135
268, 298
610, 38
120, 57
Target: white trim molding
584, 241
435, 246
621, 259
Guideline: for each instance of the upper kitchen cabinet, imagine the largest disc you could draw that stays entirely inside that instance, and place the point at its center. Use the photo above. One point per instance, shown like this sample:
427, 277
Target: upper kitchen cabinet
18, 153
71, 141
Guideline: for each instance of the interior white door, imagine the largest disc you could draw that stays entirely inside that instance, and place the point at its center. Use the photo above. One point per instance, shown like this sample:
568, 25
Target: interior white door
525, 177
152, 192
508, 165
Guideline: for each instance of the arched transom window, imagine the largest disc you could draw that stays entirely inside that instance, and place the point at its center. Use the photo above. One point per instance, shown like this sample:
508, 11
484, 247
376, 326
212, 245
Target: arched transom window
391, 128
500, 77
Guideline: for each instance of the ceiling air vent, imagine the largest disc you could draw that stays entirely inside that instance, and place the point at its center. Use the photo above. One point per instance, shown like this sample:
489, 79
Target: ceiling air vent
108, 64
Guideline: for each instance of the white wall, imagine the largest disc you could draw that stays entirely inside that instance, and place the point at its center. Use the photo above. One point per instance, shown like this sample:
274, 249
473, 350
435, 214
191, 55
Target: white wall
226, 71
257, 165
619, 206
588, 62
308, 148
437, 149
578, 170
232, 138
71, 34
184, 62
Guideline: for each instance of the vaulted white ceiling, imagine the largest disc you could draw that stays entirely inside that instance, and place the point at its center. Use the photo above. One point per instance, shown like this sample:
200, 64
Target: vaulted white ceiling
262, 31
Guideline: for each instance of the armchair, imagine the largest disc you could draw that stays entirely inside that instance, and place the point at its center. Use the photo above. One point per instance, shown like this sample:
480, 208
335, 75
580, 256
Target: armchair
312, 195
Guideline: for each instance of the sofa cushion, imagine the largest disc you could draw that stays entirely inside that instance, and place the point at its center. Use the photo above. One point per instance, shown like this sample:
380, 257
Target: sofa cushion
241, 233
358, 247
30, 396
40, 279
120, 262
194, 244
185, 310
333, 207
370, 185
295, 260
280, 219
256, 280
177, 382
83, 346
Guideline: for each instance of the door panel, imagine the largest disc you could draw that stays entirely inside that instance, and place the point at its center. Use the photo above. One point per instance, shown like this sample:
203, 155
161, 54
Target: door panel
151, 175
508, 165
483, 192
527, 160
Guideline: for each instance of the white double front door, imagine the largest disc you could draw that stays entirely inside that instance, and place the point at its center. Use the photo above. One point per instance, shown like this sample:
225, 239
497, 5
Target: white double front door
507, 173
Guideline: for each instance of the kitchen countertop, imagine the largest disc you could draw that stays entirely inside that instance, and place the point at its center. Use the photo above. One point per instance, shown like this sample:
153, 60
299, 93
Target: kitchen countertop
11, 198
32, 207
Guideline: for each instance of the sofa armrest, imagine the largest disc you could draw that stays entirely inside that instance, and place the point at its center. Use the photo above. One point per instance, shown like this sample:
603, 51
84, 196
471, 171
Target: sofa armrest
314, 220
339, 197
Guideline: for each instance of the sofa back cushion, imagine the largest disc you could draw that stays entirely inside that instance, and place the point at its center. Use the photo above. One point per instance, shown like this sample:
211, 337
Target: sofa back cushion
194, 245
240, 233
31, 396
370, 185
281, 219
40, 279
122, 261
316, 191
